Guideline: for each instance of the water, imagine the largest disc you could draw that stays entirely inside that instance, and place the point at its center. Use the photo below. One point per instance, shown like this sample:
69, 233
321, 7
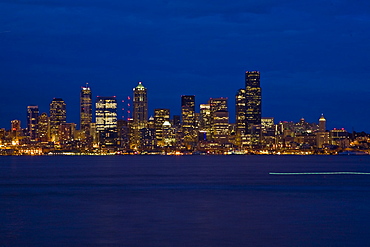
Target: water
183, 201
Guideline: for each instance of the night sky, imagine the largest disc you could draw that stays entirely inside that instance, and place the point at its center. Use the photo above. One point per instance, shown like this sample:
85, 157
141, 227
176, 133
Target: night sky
313, 55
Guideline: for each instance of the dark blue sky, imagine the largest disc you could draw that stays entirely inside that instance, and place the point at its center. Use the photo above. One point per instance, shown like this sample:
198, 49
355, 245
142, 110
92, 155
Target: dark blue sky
313, 56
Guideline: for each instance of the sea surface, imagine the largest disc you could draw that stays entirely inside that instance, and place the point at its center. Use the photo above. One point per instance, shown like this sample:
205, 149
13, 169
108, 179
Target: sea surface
184, 201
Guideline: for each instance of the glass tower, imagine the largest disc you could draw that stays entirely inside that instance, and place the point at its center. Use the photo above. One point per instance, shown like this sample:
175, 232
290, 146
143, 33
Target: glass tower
106, 119
33, 121
85, 108
253, 99
58, 116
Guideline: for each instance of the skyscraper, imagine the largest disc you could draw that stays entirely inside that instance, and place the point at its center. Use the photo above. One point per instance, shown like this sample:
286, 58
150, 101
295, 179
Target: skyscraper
253, 99
85, 109
44, 127
188, 111
240, 110
58, 115
240, 117
160, 116
106, 119
205, 117
140, 113
322, 123
188, 120
219, 119
32, 121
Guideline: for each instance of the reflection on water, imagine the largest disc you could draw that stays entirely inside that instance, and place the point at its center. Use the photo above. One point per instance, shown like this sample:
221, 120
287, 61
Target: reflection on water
184, 201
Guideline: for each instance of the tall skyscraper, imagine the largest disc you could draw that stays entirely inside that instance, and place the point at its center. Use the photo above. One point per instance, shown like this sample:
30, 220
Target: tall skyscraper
253, 99
240, 111
160, 116
106, 119
58, 115
140, 112
32, 121
139, 116
188, 111
219, 119
205, 117
188, 120
240, 117
85, 109
44, 127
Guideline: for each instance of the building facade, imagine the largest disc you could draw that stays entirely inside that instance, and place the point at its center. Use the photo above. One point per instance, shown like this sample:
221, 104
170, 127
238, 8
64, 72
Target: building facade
58, 116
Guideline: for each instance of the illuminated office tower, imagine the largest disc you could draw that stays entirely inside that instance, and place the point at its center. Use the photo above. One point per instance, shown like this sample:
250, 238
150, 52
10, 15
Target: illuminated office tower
32, 121
240, 112
188, 120
140, 113
106, 119
160, 116
85, 109
216, 104
205, 119
58, 115
168, 134
221, 126
44, 127
188, 111
253, 99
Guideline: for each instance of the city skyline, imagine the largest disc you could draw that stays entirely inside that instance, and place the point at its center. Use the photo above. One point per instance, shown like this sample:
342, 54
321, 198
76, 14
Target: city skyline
312, 55
87, 94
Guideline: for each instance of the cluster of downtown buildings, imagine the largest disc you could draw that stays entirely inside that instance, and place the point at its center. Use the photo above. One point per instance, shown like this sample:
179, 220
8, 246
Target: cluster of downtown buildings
207, 131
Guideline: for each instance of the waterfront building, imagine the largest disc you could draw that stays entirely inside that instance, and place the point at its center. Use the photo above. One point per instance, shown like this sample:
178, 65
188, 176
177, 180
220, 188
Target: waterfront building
58, 116
106, 120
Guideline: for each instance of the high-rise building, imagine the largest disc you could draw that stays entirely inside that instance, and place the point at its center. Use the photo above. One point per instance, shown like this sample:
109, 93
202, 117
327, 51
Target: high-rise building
188, 120
253, 99
106, 119
205, 117
217, 104
58, 115
221, 126
240, 111
32, 121
322, 123
160, 116
85, 109
140, 113
44, 127
188, 111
